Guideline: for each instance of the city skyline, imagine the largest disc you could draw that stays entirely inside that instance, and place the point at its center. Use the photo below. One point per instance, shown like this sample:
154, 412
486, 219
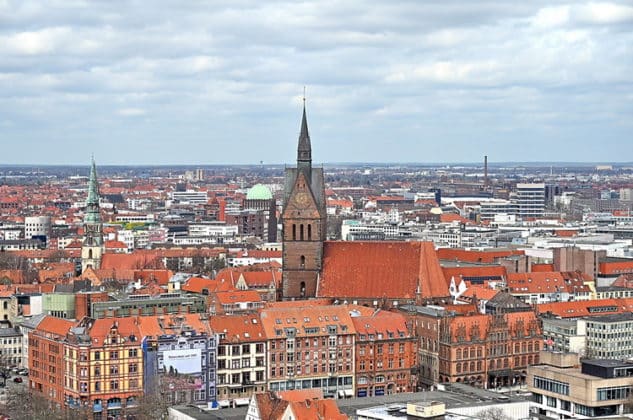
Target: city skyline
399, 82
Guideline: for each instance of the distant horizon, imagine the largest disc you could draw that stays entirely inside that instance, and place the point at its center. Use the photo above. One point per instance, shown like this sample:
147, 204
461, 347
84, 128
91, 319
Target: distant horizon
342, 163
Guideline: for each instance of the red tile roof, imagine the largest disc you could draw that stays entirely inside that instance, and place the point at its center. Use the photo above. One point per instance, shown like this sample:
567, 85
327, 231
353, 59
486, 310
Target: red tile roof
238, 328
198, 284
55, 326
302, 317
381, 322
480, 271
576, 309
547, 282
236, 296
482, 293
394, 270
16, 276
487, 256
537, 268
132, 261
616, 267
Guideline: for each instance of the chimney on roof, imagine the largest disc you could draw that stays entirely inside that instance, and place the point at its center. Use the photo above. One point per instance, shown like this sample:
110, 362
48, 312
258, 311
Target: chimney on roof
486, 172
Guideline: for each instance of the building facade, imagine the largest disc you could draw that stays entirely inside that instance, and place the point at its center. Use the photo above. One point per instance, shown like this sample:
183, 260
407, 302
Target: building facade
310, 347
241, 357
562, 387
385, 354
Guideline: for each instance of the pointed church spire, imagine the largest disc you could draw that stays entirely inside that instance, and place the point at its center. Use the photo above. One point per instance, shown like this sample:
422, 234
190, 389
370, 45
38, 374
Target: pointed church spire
93, 186
304, 149
92, 247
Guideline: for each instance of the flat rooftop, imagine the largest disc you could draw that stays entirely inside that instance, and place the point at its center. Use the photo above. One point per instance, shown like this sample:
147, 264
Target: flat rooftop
455, 396
607, 363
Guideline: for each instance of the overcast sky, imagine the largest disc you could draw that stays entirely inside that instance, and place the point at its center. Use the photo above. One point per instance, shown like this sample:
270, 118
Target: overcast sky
194, 82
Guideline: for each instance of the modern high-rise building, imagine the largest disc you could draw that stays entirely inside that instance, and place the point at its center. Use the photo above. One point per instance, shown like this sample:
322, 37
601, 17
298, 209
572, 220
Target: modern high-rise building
303, 221
530, 200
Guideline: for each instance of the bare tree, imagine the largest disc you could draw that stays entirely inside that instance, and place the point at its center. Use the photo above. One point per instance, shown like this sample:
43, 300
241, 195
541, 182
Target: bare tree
151, 405
21, 404
493, 413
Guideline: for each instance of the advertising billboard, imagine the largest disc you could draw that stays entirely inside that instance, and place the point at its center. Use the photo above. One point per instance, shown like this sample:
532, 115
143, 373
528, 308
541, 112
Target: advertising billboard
186, 361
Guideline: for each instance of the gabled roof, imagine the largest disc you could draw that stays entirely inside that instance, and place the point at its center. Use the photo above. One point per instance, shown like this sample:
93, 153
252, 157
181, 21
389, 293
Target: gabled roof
482, 293
238, 328
174, 324
238, 296
16, 276
381, 322
55, 326
279, 318
316, 409
548, 282
393, 270
134, 261
269, 406
198, 284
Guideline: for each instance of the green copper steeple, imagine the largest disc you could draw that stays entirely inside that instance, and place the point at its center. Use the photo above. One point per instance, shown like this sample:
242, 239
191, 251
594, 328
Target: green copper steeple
92, 219
93, 186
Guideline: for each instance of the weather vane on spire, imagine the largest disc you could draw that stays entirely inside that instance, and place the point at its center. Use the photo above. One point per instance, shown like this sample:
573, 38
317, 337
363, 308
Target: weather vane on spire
304, 95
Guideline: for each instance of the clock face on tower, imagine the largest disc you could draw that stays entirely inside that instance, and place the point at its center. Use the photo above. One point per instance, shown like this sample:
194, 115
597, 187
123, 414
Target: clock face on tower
302, 200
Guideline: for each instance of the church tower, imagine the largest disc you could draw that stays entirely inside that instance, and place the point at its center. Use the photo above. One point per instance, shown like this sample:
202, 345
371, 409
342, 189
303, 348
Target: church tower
92, 248
303, 222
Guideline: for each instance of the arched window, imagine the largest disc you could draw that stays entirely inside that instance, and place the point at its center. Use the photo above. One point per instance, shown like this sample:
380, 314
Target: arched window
301, 232
309, 232
90, 254
294, 232
303, 261
302, 291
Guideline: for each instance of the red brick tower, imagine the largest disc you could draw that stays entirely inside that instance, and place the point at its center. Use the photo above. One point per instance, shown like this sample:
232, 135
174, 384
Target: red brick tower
303, 221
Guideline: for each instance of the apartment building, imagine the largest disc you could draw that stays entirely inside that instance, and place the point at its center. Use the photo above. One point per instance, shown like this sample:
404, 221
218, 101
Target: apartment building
10, 347
46, 359
310, 347
385, 353
241, 357
103, 366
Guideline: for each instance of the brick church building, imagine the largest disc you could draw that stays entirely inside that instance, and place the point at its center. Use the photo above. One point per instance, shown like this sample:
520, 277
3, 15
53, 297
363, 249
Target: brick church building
373, 273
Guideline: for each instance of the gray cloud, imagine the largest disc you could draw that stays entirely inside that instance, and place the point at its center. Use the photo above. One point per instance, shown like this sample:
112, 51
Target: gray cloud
221, 81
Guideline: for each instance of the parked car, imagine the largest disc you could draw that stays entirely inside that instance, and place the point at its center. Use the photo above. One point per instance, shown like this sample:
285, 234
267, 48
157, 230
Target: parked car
23, 372
17, 379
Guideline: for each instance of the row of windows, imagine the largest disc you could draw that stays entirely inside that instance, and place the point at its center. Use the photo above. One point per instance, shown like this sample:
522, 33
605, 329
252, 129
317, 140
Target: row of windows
301, 370
551, 385
614, 393
315, 342
236, 350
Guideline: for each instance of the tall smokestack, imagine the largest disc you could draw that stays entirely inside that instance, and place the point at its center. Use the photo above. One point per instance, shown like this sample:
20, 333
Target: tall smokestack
486, 171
